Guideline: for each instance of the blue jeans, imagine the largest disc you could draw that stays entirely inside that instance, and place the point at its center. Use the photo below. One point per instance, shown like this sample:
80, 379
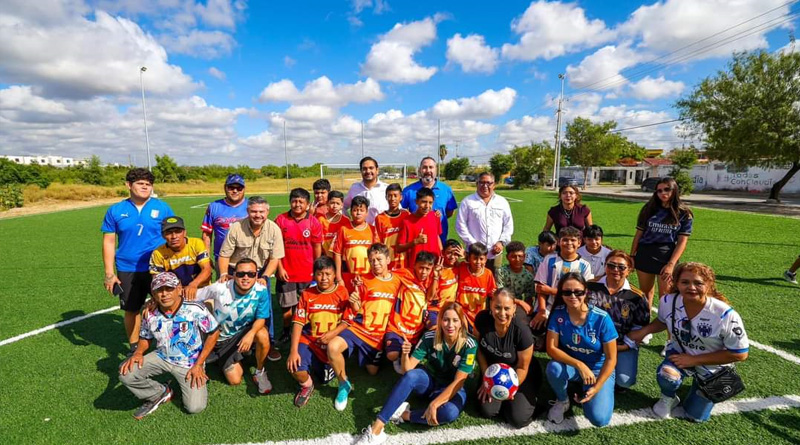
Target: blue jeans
697, 407
627, 368
418, 381
600, 408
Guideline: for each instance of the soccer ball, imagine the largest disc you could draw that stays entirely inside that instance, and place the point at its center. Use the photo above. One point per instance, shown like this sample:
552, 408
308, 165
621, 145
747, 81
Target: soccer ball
500, 381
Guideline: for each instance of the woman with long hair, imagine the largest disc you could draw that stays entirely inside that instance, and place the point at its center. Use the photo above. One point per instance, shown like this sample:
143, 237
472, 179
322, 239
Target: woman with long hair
569, 211
582, 341
449, 354
707, 336
662, 232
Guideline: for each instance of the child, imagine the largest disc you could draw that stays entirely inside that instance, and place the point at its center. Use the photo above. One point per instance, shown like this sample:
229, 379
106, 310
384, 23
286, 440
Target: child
407, 320
534, 255
475, 283
444, 283
366, 320
332, 221
388, 223
315, 323
321, 188
552, 268
351, 243
593, 249
516, 277
421, 230
302, 243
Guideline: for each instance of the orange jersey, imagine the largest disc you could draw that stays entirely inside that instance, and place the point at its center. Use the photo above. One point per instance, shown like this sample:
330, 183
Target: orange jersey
330, 227
473, 290
319, 312
377, 301
352, 244
408, 316
448, 285
388, 230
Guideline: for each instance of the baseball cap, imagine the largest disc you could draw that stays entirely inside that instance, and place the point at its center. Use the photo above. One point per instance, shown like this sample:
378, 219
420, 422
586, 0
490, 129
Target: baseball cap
172, 222
165, 279
234, 179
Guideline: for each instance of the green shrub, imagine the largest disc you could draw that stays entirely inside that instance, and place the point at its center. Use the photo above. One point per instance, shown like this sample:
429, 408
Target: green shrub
11, 197
685, 183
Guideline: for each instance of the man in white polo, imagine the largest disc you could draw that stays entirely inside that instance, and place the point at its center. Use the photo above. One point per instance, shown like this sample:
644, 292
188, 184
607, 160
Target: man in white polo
369, 187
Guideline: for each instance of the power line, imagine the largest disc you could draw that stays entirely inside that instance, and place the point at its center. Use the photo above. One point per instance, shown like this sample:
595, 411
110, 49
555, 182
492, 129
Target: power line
647, 125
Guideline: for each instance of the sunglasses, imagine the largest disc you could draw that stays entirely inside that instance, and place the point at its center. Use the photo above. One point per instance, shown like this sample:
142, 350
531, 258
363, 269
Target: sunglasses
245, 274
573, 293
664, 190
615, 266
235, 188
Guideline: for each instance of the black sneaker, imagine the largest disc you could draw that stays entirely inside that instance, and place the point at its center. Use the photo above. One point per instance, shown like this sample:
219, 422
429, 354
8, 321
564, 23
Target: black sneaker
149, 407
284, 338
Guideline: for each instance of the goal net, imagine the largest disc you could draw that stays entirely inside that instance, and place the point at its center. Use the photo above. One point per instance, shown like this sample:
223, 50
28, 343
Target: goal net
342, 176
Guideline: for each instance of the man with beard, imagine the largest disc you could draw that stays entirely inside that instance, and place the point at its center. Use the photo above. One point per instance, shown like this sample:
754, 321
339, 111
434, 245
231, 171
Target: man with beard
221, 213
369, 187
444, 202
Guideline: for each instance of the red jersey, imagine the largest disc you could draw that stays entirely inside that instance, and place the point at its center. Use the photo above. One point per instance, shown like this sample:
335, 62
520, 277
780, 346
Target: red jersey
388, 230
319, 312
321, 210
377, 301
299, 237
352, 245
448, 285
412, 227
473, 291
330, 227
408, 316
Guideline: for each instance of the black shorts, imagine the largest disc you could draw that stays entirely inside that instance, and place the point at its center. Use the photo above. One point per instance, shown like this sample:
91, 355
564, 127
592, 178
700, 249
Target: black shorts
289, 293
135, 289
226, 353
651, 258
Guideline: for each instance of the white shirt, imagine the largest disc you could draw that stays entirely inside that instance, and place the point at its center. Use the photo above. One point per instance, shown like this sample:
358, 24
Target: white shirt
553, 267
597, 260
376, 196
486, 223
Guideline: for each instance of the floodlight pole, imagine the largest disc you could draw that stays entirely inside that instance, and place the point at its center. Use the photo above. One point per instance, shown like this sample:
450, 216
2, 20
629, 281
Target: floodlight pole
286, 156
144, 108
557, 160
362, 139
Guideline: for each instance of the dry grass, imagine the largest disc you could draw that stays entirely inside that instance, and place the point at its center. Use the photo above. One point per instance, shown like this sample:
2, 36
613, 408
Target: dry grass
70, 192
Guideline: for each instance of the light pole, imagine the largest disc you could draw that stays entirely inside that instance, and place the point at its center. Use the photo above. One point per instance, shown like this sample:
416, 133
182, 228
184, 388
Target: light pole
557, 160
144, 108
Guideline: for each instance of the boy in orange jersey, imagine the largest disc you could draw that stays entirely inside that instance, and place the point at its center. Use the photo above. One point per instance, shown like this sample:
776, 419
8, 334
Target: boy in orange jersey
475, 283
388, 224
316, 321
365, 321
407, 321
444, 282
332, 221
351, 244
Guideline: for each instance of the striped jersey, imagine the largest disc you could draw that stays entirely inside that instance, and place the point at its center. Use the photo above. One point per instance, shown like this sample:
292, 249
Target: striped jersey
184, 263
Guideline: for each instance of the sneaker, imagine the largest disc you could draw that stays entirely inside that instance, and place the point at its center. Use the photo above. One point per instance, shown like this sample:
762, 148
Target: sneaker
397, 416
367, 438
398, 367
261, 379
274, 355
664, 351
663, 408
557, 411
790, 277
646, 339
341, 395
284, 338
303, 395
149, 407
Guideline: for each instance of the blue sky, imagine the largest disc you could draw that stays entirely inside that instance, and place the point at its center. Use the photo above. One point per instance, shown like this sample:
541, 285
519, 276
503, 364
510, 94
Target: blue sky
224, 75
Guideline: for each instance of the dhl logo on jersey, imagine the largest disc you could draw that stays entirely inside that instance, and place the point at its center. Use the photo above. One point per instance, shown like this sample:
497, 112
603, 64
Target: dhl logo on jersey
392, 230
324, 307
448, 282
359, 242
383, 295
479, 290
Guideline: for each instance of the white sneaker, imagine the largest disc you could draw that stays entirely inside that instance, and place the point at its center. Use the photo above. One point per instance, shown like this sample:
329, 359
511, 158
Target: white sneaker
663, 408
556, 413
646, 339
261, 379
664, 351
398, 366
790, 277
367, 438
397, 417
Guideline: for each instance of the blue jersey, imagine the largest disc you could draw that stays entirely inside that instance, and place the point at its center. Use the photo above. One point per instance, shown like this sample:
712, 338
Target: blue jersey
658, 231
219, 217
178, 337
443, 200
533, 257
139, 232
233, 311
584, 343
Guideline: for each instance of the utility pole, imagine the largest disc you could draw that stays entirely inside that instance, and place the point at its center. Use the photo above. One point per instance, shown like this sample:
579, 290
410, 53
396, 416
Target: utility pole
438, 134
362, 139
557, 160
144, 109
286, 156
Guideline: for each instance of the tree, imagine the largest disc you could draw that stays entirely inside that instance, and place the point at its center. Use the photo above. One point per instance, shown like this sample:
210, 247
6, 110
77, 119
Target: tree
591, 145
93, 172
166, 169
630, 149
683, 161
749, 114
530, 162
454, 168
499, 165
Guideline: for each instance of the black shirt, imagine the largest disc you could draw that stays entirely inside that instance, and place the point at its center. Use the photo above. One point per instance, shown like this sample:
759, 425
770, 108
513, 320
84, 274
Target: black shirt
504, 349
628, 307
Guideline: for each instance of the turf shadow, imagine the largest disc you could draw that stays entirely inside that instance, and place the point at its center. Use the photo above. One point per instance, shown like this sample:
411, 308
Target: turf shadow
790, 346
774, 282
781, 425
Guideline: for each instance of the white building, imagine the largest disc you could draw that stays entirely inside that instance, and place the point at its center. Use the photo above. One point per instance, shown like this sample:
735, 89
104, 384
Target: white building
55, 161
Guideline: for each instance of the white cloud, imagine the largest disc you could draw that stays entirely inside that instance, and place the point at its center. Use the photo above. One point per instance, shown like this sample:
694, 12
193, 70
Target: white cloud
204, 44
472, 53
601, 70
392, 57
310, 113
526, 129
18, 103
379, 6
552, 29
217, 13
214, 72
322, 91
655, 88
488, 104
288, 61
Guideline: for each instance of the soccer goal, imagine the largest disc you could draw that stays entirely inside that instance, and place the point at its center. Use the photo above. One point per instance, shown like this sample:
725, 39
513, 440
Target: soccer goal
342, 176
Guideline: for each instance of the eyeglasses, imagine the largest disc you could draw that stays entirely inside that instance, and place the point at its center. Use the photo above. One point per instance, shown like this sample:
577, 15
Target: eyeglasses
664, 190
245, 274
573, 293
485, 184
615, 266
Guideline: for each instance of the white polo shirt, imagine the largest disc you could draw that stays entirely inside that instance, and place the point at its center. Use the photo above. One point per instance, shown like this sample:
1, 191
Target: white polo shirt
376, 196
485, 222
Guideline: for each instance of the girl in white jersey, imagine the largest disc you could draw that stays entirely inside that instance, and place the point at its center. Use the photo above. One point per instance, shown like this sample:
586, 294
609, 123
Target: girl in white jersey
710, 332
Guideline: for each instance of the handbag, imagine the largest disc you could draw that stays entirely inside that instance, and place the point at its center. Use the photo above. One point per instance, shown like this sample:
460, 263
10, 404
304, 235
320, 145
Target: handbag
718, 387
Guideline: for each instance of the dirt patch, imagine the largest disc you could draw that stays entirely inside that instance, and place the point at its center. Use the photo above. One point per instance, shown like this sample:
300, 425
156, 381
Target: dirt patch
54, 205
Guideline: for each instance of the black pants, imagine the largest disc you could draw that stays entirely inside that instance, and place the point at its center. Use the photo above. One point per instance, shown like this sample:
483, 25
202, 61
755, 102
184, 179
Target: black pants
518, 412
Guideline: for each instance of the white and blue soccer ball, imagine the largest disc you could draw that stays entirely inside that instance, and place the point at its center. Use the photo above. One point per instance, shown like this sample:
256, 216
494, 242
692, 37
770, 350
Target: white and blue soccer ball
500, 381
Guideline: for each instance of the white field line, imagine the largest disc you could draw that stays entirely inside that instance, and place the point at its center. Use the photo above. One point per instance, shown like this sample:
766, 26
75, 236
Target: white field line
56, 326
496, 431
510, 199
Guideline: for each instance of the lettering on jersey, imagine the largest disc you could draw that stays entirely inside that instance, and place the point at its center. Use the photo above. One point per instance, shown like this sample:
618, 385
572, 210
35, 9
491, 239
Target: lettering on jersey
179, 261
392, 230
154, 213
738, 331
581, 350
384, 295
495, 351
324, 307
301, 313
704, 329
480, 290
359, 242
124, 215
